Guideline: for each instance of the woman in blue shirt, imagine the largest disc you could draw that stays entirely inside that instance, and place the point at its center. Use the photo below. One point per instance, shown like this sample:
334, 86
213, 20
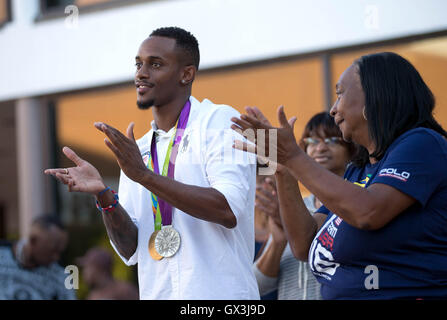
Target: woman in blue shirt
382, 232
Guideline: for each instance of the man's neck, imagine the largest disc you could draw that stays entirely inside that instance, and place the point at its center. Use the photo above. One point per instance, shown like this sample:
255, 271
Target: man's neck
166, 116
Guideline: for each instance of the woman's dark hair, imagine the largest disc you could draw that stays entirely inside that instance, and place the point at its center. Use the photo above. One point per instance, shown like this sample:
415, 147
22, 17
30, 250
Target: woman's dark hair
396, 100
323, 122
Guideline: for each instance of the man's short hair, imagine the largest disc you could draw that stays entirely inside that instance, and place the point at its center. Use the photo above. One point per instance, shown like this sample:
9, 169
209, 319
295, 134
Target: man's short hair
184, 39
46, 221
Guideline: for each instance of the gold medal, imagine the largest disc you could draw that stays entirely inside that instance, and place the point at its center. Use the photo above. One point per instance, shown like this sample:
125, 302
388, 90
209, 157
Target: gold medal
154, 254
167, 241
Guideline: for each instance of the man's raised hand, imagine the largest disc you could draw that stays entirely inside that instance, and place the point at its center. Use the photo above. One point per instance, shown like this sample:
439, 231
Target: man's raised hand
279, 150
125, 149
82, 178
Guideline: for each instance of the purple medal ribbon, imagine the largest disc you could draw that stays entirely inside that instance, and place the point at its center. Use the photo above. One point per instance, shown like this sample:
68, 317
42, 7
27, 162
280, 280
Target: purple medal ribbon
165, 207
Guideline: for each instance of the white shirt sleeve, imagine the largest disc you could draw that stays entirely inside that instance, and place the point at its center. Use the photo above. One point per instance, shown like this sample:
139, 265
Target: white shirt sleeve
230, 171
125, 194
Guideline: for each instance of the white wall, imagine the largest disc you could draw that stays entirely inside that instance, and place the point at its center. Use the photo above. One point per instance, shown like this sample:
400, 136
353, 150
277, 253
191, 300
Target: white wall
45, 57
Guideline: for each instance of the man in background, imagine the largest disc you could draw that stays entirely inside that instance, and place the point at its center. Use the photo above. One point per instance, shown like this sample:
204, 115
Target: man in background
97, 266
29, 268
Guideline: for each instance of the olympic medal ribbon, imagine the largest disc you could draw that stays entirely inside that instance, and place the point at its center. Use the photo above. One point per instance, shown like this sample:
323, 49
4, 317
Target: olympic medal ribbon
159, 205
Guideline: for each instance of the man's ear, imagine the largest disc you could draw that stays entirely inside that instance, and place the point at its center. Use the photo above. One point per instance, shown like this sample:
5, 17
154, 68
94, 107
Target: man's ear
188, 75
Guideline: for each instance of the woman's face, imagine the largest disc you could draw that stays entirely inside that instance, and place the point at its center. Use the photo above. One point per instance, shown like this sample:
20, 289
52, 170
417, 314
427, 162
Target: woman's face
348, 108
328, 151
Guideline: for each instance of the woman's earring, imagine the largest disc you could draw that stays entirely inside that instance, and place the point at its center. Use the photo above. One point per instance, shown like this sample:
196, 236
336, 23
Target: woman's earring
364, 114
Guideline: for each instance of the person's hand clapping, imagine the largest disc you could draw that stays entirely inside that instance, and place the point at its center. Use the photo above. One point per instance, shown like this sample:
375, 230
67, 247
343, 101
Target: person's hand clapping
277, 232
82, 178
125, 149
280, 150
267, 201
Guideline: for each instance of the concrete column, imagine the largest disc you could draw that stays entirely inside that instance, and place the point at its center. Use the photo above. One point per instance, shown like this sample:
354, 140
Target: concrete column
327, 81
32, 155
24, 12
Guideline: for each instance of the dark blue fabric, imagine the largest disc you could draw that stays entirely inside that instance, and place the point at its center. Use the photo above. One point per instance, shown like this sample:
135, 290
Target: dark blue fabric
410, 252
274, 294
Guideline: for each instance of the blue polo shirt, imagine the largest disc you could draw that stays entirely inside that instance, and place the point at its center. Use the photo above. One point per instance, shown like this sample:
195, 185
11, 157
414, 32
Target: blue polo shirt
405, 259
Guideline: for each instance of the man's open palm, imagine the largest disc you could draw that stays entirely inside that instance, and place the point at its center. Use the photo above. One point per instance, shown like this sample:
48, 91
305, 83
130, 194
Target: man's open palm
82, 178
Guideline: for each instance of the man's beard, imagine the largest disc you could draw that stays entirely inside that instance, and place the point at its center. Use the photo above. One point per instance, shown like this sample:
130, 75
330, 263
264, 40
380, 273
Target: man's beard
145, 105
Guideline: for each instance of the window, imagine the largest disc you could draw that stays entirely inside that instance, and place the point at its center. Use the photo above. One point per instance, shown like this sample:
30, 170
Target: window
55, 8
83, 3
51, 5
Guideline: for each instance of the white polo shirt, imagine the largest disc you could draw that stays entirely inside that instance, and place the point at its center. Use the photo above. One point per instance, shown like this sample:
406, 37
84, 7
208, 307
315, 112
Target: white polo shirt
213, 262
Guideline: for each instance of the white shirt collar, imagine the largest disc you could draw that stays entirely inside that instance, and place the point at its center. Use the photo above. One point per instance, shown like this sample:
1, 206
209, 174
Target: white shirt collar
160, 132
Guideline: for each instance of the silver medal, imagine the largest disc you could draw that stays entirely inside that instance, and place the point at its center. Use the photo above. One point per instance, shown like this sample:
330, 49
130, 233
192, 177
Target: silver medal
167, 241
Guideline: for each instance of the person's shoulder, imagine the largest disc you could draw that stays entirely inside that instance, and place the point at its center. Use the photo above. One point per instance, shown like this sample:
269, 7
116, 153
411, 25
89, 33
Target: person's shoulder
118, 290
56, 270
422, 135
5, 247
421, 140
210, 111
128, 290
124, 285
5, 244
208, 106
433, 136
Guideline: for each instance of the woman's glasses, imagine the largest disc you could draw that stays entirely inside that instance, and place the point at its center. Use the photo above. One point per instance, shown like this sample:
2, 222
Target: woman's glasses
331, 141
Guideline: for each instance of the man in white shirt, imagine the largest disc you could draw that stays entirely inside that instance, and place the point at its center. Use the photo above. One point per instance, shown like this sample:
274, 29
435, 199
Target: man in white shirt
186, 198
